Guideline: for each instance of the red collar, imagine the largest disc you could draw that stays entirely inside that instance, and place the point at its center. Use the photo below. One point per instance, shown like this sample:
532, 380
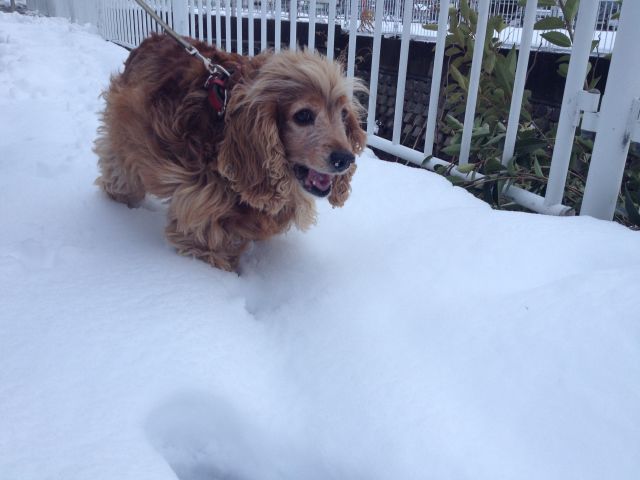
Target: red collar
216, 84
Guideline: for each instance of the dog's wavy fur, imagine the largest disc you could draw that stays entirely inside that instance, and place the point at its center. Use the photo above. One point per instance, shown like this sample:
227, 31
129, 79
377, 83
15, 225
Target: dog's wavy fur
230, 181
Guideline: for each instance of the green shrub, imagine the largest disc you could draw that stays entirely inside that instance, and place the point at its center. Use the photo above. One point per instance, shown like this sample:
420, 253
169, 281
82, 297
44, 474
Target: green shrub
529, 168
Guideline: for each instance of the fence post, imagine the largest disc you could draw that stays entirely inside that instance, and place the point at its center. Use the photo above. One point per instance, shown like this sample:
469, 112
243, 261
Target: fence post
618, 118
474, 81
569, 114
180, 16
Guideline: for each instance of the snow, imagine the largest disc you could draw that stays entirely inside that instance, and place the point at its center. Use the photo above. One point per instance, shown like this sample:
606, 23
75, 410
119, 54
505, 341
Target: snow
413, 334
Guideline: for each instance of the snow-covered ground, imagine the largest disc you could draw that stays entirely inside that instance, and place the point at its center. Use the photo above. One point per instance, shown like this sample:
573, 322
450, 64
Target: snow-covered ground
413, 334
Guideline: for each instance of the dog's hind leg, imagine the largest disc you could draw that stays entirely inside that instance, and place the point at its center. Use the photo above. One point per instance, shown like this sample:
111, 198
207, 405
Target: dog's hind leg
122, 184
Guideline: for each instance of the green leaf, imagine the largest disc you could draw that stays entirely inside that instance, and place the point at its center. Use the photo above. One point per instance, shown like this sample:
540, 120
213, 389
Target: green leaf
495, 24
512, 60
593, 83
489, 61
563, 69
529, 145
459, 78
495, 139
473, 19
548, 23
570, 9
502, 75
452, 50
454, 122
536, 167
557, 38
464, 9
453, 149
431, 26
493, 166
543, 3
482, 131
439, 169
466, 168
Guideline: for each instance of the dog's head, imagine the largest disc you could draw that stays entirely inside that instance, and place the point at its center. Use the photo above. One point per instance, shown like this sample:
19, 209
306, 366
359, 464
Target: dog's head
292, 125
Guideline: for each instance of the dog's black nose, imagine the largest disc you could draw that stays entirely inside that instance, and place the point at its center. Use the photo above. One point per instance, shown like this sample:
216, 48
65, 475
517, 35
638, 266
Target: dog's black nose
340, 160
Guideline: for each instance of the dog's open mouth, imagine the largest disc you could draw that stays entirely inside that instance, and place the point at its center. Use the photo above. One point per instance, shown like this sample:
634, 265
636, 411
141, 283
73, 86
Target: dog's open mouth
314, 182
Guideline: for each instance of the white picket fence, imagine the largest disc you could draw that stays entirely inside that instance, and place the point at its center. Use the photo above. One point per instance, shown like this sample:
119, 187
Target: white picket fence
615, 119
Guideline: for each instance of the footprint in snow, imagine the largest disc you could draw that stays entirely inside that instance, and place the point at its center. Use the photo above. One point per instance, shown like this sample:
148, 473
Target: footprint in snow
205, 438
198, 438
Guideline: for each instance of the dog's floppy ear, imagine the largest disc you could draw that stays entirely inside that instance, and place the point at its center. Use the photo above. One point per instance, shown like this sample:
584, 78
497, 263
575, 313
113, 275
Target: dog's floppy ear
252, 156
357, 136
341, 187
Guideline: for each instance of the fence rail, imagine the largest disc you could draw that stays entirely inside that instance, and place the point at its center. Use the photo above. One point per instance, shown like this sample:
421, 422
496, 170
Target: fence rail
126, 23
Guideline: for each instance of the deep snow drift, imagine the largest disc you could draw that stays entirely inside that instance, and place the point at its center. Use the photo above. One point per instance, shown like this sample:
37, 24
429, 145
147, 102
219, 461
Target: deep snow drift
413, 334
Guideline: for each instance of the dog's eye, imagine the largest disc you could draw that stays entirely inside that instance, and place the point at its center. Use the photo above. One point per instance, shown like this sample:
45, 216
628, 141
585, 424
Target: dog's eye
344, 114
304, 117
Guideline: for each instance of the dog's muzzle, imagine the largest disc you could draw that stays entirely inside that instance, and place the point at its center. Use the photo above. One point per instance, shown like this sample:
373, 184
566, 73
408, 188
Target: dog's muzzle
319, 183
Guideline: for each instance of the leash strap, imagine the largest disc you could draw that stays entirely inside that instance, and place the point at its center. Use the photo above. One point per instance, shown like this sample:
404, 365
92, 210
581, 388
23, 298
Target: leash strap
216, 83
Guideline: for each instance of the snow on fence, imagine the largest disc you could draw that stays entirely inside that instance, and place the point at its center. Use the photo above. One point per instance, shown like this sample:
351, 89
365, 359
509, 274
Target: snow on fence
124, 22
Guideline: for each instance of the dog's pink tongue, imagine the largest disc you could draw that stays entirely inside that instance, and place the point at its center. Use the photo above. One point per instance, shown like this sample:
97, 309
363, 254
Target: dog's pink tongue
318, 180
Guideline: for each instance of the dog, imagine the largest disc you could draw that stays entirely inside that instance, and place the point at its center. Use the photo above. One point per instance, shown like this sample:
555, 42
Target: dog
290, 134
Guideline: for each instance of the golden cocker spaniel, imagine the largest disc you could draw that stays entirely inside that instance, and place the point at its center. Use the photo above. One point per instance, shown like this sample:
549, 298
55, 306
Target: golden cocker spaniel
290, 133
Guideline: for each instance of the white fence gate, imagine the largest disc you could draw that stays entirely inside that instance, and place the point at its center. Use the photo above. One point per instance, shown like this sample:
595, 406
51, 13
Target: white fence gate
615, 121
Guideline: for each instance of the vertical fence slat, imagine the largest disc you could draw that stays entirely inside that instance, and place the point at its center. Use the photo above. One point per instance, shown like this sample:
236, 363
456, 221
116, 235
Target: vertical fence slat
474, 81
618, 118
180, 16
312, 25
200, 22
375, 67
129, 19
568, 113
119, 21
263, 25
144, 18
125, 22
353, 30
239, 26
160, 12
168, 11
218, 25
518, 84
227, 25
250, 24
402, 70
278, 32
137, 24
109, 13
436, 78
209, 22
331, 30
293, 24
192, 18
